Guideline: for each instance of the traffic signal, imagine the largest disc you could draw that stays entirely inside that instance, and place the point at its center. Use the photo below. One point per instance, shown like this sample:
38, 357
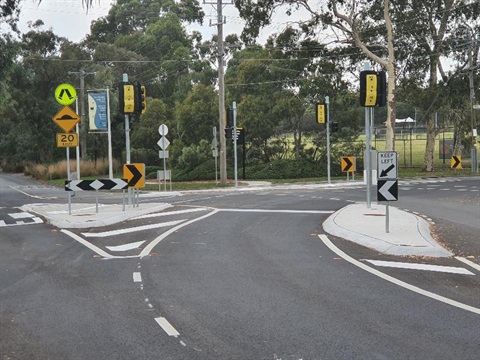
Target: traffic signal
229, 118
334, 126
381, 88
126, 98
140, 98
320, 113
373, 88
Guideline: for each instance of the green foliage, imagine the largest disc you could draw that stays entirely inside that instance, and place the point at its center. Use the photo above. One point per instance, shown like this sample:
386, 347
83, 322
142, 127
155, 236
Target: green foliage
275, 85
194, 155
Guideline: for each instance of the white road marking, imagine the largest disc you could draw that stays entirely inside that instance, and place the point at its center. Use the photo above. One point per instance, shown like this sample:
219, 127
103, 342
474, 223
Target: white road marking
146, 251
21, 215
169, 213
132, 229
35, 220
416, 266
32, 196
137, 277
281, 211
88, 245
126, 247
395, 281
167, 327
468, 262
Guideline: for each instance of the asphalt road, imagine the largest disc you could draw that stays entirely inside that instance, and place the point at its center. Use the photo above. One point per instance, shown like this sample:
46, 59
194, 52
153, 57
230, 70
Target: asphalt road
243, 275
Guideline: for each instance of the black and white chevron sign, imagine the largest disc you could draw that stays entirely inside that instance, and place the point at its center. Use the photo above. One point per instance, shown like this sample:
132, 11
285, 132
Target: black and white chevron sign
97, 184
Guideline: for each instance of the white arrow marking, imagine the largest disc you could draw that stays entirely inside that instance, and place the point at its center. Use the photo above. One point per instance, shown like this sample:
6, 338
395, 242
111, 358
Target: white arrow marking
384, 190
126, 247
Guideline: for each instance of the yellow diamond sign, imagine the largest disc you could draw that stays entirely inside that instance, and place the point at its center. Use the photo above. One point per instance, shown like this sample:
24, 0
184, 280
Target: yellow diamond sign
66, 119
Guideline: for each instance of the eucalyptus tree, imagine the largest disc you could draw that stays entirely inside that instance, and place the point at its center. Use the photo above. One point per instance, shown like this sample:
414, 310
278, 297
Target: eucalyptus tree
410, 35
195, 117
9, 12
430, 26
32, 79
363, 24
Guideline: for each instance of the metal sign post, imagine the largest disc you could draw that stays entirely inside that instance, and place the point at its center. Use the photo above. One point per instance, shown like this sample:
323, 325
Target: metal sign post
163, 143
368, 165
327, 102
387, 182
215, 151
234, 107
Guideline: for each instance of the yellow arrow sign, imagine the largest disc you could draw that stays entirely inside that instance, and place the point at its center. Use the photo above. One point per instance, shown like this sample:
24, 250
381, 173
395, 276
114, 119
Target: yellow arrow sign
456, 162
135, 175
348, 163
65, 94
66, 119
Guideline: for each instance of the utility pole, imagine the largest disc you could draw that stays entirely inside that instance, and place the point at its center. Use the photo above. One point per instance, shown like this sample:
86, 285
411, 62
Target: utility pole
221, 90
84, 123
474, 151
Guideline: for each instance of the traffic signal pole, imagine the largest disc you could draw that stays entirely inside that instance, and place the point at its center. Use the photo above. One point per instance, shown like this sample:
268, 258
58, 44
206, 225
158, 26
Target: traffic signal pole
368, 161
234, 106
327, 102
127, 142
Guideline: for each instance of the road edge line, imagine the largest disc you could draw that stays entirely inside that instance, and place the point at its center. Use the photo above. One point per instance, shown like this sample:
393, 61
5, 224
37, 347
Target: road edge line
395, 281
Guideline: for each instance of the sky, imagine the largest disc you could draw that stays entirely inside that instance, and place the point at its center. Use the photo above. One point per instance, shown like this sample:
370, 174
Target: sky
69, 19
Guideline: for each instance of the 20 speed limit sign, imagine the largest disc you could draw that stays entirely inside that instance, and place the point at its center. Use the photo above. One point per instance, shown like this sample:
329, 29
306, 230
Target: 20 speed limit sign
67, 140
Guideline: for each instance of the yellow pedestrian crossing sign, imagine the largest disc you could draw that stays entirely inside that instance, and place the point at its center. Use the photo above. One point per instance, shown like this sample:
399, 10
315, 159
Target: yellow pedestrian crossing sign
65, 94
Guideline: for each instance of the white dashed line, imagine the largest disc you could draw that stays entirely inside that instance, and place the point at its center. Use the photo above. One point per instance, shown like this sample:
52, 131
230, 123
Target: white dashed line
137, 277
167, 327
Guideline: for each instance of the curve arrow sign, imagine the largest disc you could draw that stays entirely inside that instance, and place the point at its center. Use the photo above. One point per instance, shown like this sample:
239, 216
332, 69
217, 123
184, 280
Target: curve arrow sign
135, 175
347, 164
387, 190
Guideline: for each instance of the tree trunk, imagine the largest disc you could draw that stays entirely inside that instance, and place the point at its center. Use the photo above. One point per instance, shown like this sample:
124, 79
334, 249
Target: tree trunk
428, 163
392, 80
296, 143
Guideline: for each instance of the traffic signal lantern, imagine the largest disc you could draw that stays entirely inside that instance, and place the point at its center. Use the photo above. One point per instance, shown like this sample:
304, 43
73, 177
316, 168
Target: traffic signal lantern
127, 100
334, 127
140, 98
373, 88
320, 112
229, 118
381, 88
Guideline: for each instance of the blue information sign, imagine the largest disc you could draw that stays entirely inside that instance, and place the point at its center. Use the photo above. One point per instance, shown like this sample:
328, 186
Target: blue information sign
97, 111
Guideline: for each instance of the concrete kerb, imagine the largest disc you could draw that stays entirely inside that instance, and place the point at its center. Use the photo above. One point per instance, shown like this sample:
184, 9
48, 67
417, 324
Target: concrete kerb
409, 234
85, 215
